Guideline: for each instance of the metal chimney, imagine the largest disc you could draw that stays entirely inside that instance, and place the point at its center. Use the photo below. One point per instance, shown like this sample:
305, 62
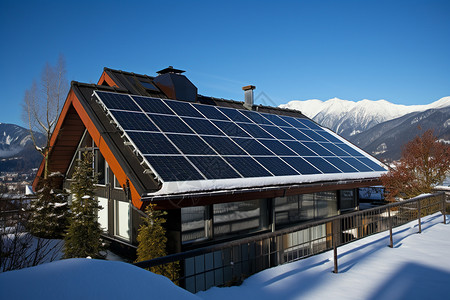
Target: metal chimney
248, 95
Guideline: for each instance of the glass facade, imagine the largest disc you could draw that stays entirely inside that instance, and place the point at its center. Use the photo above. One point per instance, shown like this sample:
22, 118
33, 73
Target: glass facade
194, 223
347, 200
223, 220
304, 207
236, 217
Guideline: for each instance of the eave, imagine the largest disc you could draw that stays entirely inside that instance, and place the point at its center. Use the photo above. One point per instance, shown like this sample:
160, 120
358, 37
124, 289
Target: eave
234, 195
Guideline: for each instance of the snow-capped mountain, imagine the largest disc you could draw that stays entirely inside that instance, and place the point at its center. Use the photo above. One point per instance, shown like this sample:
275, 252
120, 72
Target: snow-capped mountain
13, 139
16, 148
385, 140
348, 118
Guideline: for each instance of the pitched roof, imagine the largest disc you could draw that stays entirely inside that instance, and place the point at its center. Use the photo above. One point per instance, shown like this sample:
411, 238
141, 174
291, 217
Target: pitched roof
131, 163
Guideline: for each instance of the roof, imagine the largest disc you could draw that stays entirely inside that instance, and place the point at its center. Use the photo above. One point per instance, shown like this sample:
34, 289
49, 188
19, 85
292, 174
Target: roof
145, 171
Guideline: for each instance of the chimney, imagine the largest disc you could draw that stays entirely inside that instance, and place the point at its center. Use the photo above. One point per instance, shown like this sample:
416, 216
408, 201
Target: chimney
248, 95
175, 85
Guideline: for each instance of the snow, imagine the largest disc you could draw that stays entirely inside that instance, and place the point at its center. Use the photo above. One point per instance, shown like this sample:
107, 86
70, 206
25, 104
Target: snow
88, 279
416, 268
219, 185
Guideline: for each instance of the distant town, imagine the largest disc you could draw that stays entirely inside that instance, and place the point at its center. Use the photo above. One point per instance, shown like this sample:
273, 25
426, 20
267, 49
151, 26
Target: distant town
16, 183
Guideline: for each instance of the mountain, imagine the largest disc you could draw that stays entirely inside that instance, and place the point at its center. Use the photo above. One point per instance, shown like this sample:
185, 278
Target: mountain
385, 140
17, 151
348, 118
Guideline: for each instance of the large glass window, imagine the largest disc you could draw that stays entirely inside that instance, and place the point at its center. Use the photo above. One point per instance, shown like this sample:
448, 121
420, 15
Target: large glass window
100, 167
237, 217
193, 223
305, 207
122, 216
347, 200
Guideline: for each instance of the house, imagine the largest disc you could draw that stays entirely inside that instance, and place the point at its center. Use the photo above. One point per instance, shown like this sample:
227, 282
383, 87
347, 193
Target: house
222, 169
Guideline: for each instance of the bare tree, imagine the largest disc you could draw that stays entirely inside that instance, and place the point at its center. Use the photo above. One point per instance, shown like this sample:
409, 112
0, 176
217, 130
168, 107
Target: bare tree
43, 102
42, 105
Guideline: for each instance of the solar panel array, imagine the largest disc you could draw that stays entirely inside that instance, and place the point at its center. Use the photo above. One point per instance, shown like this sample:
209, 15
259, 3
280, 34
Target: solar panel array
184, 141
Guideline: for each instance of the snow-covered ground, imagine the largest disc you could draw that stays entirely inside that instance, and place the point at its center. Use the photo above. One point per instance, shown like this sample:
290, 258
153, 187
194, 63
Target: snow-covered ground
418, 267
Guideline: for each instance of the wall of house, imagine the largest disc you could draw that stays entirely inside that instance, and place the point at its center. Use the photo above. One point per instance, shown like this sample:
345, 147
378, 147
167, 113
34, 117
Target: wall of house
204, 225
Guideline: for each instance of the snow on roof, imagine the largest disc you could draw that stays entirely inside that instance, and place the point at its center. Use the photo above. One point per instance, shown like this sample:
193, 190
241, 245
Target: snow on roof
175, 187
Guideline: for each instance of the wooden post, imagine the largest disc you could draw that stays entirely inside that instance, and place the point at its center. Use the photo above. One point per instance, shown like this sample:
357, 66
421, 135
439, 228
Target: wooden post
419, 217
391, 242
444, 207
335, 233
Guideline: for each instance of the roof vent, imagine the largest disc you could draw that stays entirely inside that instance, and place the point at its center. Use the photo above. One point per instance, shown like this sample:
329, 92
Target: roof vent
248, 95
175, 85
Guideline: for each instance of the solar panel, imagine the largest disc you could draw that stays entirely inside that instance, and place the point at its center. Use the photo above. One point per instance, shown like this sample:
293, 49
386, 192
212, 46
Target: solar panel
134, 121
214, 167
190, 144
183, 109
184, 141
174, 168
152, 143
277, 147
152, 105
170, 123
247, 166
276, 166
118, 101
231, 129
202, 126
252, 146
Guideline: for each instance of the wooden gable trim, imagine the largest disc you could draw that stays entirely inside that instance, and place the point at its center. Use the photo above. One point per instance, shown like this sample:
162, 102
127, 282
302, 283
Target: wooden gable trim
120, 174
105, 78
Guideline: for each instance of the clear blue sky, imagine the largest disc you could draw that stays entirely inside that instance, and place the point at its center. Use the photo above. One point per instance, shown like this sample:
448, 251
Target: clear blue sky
393, 50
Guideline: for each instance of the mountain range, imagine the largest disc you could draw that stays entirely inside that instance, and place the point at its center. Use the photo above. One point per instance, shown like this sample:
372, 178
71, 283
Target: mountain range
379, 127
17, 151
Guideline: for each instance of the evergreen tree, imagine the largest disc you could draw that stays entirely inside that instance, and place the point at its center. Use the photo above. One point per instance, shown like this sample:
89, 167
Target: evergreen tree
152, 242
49, 212
83, 237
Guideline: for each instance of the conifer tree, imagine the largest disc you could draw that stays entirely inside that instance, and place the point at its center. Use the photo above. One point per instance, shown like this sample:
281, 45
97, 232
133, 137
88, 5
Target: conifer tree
50, 209
83, 237
152, 242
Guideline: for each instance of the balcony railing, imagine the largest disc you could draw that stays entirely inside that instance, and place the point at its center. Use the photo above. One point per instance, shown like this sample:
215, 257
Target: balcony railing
229, 263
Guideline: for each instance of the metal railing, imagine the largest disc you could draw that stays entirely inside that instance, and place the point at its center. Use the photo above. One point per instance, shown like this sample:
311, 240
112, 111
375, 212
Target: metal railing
229, 263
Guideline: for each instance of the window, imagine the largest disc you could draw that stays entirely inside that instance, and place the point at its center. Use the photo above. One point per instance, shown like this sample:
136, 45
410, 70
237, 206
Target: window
347, 200
304, 207
100, 168
237, 217
122, 218
194, 223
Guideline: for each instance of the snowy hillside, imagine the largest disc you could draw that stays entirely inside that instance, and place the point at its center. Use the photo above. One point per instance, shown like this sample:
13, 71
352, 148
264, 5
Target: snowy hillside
348, 118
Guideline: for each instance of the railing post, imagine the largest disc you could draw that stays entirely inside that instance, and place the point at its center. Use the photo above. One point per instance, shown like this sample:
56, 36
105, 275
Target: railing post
334, 234
444, 206
419, 217
391, 242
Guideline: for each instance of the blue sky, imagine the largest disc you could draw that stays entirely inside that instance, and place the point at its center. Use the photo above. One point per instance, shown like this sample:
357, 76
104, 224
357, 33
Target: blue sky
393, 50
